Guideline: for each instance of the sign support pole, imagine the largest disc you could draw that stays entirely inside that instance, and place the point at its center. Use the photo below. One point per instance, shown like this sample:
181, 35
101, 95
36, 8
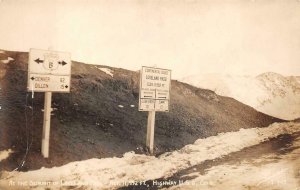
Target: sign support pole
150, 131
48, 71
46, 124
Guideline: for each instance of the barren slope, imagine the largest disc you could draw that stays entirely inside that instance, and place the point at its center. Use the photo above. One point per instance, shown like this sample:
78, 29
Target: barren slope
97, 119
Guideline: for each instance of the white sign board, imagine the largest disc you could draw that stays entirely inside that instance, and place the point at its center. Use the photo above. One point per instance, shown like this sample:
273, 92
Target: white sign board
49, 71
155, 85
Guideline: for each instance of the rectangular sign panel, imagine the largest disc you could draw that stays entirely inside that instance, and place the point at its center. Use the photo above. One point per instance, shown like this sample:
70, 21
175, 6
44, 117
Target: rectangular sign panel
49, 62
49, 71
155, 84
146, 104
49, 83
161, 105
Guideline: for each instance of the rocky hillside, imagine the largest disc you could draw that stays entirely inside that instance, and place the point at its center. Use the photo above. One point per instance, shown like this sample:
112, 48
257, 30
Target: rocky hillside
100, 117
270, 93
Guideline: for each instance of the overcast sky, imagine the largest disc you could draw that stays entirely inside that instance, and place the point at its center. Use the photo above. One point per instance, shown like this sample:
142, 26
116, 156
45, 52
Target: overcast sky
189, 37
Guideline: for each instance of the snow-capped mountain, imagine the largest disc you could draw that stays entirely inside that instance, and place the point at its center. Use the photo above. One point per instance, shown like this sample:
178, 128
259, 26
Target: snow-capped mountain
270, 93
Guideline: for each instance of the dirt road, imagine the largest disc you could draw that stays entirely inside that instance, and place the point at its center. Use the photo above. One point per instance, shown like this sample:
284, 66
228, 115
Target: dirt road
213, 174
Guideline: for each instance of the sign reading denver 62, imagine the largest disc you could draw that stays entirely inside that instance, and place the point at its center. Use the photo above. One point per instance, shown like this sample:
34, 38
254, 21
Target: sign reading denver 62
49, 71
154, 89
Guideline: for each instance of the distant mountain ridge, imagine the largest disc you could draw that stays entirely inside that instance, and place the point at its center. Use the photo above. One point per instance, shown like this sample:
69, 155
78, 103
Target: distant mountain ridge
270, 93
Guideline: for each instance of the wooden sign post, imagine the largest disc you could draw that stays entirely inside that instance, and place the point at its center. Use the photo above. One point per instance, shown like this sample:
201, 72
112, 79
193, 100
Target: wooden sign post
155, 85
150, 131
48, 71
46, 124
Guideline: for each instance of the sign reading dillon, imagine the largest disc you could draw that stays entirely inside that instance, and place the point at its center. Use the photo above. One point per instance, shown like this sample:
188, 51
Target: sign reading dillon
154, 89
49, 71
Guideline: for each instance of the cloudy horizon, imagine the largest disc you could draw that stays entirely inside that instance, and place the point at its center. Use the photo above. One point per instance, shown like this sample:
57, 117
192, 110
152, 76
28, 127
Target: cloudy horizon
189, 37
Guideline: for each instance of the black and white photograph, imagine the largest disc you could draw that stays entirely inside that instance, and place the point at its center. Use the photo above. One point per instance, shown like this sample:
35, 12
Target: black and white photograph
149, 94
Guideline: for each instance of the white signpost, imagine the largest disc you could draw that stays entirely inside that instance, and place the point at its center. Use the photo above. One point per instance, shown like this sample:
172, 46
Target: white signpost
155, 85
48, 71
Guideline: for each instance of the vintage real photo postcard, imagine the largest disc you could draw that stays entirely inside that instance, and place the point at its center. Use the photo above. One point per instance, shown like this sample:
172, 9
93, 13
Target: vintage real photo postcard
150, 94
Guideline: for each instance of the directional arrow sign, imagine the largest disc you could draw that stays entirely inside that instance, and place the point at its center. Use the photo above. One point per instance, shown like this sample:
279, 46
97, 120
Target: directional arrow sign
49, 71
49, 62
147, 94
49, 83
39, 61
62, 63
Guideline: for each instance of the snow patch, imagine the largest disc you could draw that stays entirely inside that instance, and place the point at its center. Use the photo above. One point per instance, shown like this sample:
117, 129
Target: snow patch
111, 173
5, 154
107, 71
6, 61
120, 106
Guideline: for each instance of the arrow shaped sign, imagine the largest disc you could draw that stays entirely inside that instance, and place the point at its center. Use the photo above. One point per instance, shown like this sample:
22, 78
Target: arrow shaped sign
49, 71
162, 97
39, 61
62, 63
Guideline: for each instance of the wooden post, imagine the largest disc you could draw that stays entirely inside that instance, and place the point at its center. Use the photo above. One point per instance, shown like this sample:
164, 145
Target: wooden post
46, 124
150, 131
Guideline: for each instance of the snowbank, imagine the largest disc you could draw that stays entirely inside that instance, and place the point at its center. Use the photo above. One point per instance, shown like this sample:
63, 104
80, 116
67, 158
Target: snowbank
268, 172
110, 173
